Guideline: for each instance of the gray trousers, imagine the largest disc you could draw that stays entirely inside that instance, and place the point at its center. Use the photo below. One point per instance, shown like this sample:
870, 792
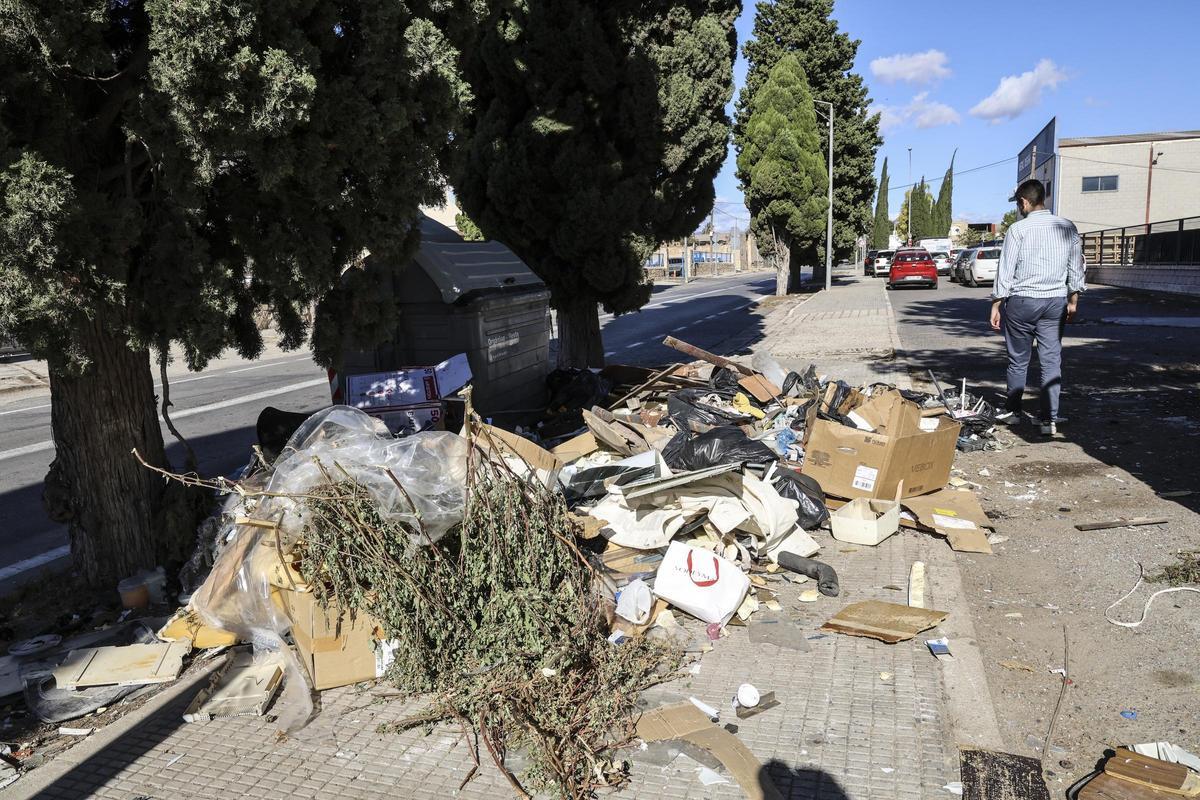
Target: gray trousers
1024, 320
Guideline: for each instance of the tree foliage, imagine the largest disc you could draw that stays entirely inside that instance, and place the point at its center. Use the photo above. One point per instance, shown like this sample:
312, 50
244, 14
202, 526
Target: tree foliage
943, 209
806, 29
781, 171
882, 230
467, 229
921, 202
596, 134
165, 168
1007, 221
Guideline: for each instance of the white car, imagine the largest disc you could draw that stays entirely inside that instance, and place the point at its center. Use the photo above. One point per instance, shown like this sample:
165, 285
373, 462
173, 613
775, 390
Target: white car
981, 266
883, 263
942, 261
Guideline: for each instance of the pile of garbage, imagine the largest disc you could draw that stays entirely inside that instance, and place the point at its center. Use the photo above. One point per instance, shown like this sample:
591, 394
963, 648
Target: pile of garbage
530, 586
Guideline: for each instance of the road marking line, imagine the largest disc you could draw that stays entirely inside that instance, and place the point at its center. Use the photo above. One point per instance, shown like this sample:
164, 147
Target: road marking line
34, 562
19, 410
188, 412
272, 364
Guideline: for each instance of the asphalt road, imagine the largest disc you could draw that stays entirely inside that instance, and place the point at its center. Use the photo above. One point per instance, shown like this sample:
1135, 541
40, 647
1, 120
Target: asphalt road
217, 409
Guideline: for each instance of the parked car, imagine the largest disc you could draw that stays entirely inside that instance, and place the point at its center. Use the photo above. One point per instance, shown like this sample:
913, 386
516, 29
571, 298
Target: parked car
956, 269
941, 261
981, 268
913, 267
882, 262
869, 261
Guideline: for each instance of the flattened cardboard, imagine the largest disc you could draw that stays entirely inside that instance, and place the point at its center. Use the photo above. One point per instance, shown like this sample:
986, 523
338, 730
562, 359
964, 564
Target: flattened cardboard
850, 463
955, 514
127, 665
574, 449
685, 721
333, 655
888, 413
544, 463
614, 435
760, 388
887, 622
412, 419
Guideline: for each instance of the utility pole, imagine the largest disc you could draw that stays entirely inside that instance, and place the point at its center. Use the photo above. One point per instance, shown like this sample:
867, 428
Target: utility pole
910, 197
712, 240
829, 216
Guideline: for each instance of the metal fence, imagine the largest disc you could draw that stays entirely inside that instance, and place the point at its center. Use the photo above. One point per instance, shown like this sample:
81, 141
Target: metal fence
1172, 242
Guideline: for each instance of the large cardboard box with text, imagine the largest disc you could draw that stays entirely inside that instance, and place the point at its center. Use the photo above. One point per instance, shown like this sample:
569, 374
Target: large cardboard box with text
850, 462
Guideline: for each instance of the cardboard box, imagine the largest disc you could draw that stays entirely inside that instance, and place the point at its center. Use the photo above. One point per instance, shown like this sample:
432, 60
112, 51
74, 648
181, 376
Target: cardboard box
854, 463
412, 386
427, 417
333, 656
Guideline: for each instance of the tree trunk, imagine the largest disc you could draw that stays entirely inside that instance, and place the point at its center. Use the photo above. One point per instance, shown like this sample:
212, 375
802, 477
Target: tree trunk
783, 274
579, 340
121, 517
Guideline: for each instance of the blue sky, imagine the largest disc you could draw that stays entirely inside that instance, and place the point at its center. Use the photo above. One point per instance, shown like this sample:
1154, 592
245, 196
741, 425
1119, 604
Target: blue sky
984, 78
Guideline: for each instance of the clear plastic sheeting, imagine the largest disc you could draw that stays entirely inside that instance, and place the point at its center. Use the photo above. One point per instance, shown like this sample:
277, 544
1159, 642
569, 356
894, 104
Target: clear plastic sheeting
419, 480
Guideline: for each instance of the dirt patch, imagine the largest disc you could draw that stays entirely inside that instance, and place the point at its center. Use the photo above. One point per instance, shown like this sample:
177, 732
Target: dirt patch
1051, 469
1173, 679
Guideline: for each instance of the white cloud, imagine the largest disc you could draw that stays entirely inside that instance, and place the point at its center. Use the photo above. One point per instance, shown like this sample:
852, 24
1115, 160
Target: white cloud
1017, 94
918, 68
921, 111
931, 114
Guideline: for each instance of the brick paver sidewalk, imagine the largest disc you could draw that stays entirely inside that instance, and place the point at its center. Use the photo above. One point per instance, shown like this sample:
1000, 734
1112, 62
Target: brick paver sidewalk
859, 719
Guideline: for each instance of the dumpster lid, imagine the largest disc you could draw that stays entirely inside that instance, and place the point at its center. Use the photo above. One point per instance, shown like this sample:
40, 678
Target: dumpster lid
460, 268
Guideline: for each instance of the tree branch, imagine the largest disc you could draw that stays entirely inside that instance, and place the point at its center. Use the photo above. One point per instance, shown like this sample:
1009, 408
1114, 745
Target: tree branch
166, 401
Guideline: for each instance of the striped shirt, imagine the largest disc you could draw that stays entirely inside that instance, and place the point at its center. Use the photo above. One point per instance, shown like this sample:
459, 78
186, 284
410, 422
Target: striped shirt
1041, 257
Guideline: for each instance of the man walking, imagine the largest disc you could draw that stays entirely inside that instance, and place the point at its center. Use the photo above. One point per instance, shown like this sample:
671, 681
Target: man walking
1036, 292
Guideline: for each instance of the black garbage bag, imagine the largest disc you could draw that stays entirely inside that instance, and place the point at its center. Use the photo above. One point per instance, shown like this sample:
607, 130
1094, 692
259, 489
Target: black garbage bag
687, 410
275, 427
724, 381
796, 384
807, 492
723, 445
836, 398
573, 389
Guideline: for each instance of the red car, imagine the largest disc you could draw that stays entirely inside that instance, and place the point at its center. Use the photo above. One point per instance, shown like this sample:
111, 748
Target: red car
913, 266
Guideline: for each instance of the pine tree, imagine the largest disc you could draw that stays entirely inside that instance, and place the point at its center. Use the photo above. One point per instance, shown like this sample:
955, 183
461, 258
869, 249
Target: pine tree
944, 209
467, 228
883, 225
806, 29
167, 167
781, 172
597, 131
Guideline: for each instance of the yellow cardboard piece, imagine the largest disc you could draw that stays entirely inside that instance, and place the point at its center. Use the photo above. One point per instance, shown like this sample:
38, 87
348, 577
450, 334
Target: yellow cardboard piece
186, 624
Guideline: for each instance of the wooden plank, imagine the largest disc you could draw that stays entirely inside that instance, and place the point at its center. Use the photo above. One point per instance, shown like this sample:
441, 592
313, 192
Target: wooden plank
1106, 787
1121, 523
704, 355
1146, 771
991, 775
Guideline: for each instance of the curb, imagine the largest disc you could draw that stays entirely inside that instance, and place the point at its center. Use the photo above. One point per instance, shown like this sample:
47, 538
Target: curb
969, 703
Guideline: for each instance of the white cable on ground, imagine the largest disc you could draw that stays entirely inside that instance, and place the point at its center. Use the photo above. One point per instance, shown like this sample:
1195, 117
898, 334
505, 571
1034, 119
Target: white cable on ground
1149, 602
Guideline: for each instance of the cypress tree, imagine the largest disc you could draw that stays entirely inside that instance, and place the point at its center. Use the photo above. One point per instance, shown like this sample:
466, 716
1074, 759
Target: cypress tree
781, 171
596, 133
883, 224
166, 168
944, 213
806, 29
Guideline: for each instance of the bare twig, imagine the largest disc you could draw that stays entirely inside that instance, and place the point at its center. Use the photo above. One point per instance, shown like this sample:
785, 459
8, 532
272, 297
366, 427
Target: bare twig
1066, 682
487, 740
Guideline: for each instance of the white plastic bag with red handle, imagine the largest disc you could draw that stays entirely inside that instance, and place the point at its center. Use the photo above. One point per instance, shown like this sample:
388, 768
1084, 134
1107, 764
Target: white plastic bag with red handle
701, 583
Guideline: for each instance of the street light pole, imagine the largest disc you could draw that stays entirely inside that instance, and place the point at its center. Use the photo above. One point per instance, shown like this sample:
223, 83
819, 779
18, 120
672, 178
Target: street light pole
910, 197
829, 219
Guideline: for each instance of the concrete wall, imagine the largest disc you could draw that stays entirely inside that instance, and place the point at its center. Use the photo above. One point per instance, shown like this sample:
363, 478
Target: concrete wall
1175, 188
1172, 278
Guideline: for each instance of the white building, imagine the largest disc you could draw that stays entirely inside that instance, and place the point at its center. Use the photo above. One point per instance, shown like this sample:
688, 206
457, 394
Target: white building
1134, 179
